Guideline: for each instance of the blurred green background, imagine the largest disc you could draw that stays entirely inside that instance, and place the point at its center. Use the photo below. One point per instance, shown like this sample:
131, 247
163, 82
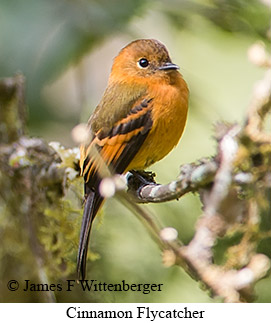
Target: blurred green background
65, 49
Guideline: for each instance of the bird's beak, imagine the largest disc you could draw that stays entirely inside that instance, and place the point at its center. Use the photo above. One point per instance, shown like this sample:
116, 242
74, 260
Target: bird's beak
169, 66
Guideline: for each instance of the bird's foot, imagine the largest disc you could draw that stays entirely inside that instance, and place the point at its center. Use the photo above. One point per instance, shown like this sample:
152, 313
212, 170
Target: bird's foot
138, 178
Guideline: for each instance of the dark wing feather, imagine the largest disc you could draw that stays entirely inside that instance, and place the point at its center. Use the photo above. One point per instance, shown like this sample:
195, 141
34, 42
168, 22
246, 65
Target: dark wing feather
117, 147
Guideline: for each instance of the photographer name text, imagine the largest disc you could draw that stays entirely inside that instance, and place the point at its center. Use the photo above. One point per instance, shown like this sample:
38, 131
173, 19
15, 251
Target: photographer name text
85, 285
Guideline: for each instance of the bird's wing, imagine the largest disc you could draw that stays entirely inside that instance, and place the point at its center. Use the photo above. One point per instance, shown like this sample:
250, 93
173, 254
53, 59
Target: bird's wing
115, 148
118, 145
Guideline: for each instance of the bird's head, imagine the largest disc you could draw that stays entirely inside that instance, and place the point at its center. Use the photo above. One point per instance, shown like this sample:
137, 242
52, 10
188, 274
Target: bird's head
143, 59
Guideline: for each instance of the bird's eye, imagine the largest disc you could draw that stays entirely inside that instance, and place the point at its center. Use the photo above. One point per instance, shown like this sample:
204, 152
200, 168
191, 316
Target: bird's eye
143, 63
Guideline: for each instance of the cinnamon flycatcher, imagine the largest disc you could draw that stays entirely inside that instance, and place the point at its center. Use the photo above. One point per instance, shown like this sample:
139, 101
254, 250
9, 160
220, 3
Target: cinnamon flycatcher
140, 118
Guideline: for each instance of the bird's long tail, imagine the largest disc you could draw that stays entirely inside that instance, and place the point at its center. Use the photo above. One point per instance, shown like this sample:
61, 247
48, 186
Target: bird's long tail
92, 205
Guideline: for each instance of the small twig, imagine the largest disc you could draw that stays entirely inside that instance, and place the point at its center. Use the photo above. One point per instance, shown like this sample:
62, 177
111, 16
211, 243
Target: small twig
210, 224
192, 177
227, 151
156, 231
259, 107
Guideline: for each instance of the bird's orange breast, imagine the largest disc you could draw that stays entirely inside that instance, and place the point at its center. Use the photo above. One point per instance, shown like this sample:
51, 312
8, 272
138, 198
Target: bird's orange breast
169, 114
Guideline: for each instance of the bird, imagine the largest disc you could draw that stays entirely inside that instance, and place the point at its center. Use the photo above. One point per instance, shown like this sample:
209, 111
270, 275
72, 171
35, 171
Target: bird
140, 118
